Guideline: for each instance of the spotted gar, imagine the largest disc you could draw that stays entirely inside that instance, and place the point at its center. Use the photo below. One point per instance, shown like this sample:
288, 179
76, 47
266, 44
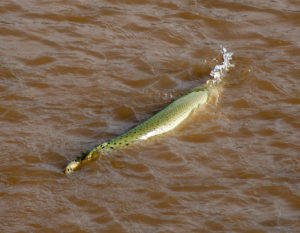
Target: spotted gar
162, 122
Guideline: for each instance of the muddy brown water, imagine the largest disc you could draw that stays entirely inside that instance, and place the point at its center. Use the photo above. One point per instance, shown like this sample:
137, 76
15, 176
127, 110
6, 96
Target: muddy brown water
76, 73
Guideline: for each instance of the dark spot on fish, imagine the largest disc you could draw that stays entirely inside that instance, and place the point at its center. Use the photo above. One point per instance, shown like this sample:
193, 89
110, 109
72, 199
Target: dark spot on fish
127, 144
115, 143
108, 143
120, 143
111, 147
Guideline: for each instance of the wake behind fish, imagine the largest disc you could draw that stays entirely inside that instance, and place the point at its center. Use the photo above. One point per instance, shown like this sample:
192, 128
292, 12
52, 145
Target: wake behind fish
219, 71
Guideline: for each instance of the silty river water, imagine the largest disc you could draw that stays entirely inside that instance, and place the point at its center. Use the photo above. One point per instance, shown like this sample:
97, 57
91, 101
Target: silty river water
76, 73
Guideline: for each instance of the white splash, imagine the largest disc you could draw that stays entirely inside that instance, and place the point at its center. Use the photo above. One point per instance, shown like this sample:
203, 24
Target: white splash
219, 71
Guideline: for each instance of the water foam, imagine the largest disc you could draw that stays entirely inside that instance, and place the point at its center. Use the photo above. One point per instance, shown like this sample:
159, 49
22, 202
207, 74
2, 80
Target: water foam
219, 71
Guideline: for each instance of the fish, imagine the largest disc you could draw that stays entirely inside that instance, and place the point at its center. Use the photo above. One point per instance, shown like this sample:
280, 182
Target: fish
162, 122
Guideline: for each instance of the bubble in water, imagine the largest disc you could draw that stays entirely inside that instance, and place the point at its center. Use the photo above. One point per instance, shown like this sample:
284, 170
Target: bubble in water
219, 71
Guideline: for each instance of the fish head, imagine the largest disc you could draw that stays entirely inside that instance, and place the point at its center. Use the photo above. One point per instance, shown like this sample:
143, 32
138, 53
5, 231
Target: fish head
72, 166
83, 159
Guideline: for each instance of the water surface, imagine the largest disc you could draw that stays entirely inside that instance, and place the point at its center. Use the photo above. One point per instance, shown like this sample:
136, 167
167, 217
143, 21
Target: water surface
76, 73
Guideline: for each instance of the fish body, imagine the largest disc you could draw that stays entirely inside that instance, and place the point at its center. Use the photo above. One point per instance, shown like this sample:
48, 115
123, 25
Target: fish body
162, 122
